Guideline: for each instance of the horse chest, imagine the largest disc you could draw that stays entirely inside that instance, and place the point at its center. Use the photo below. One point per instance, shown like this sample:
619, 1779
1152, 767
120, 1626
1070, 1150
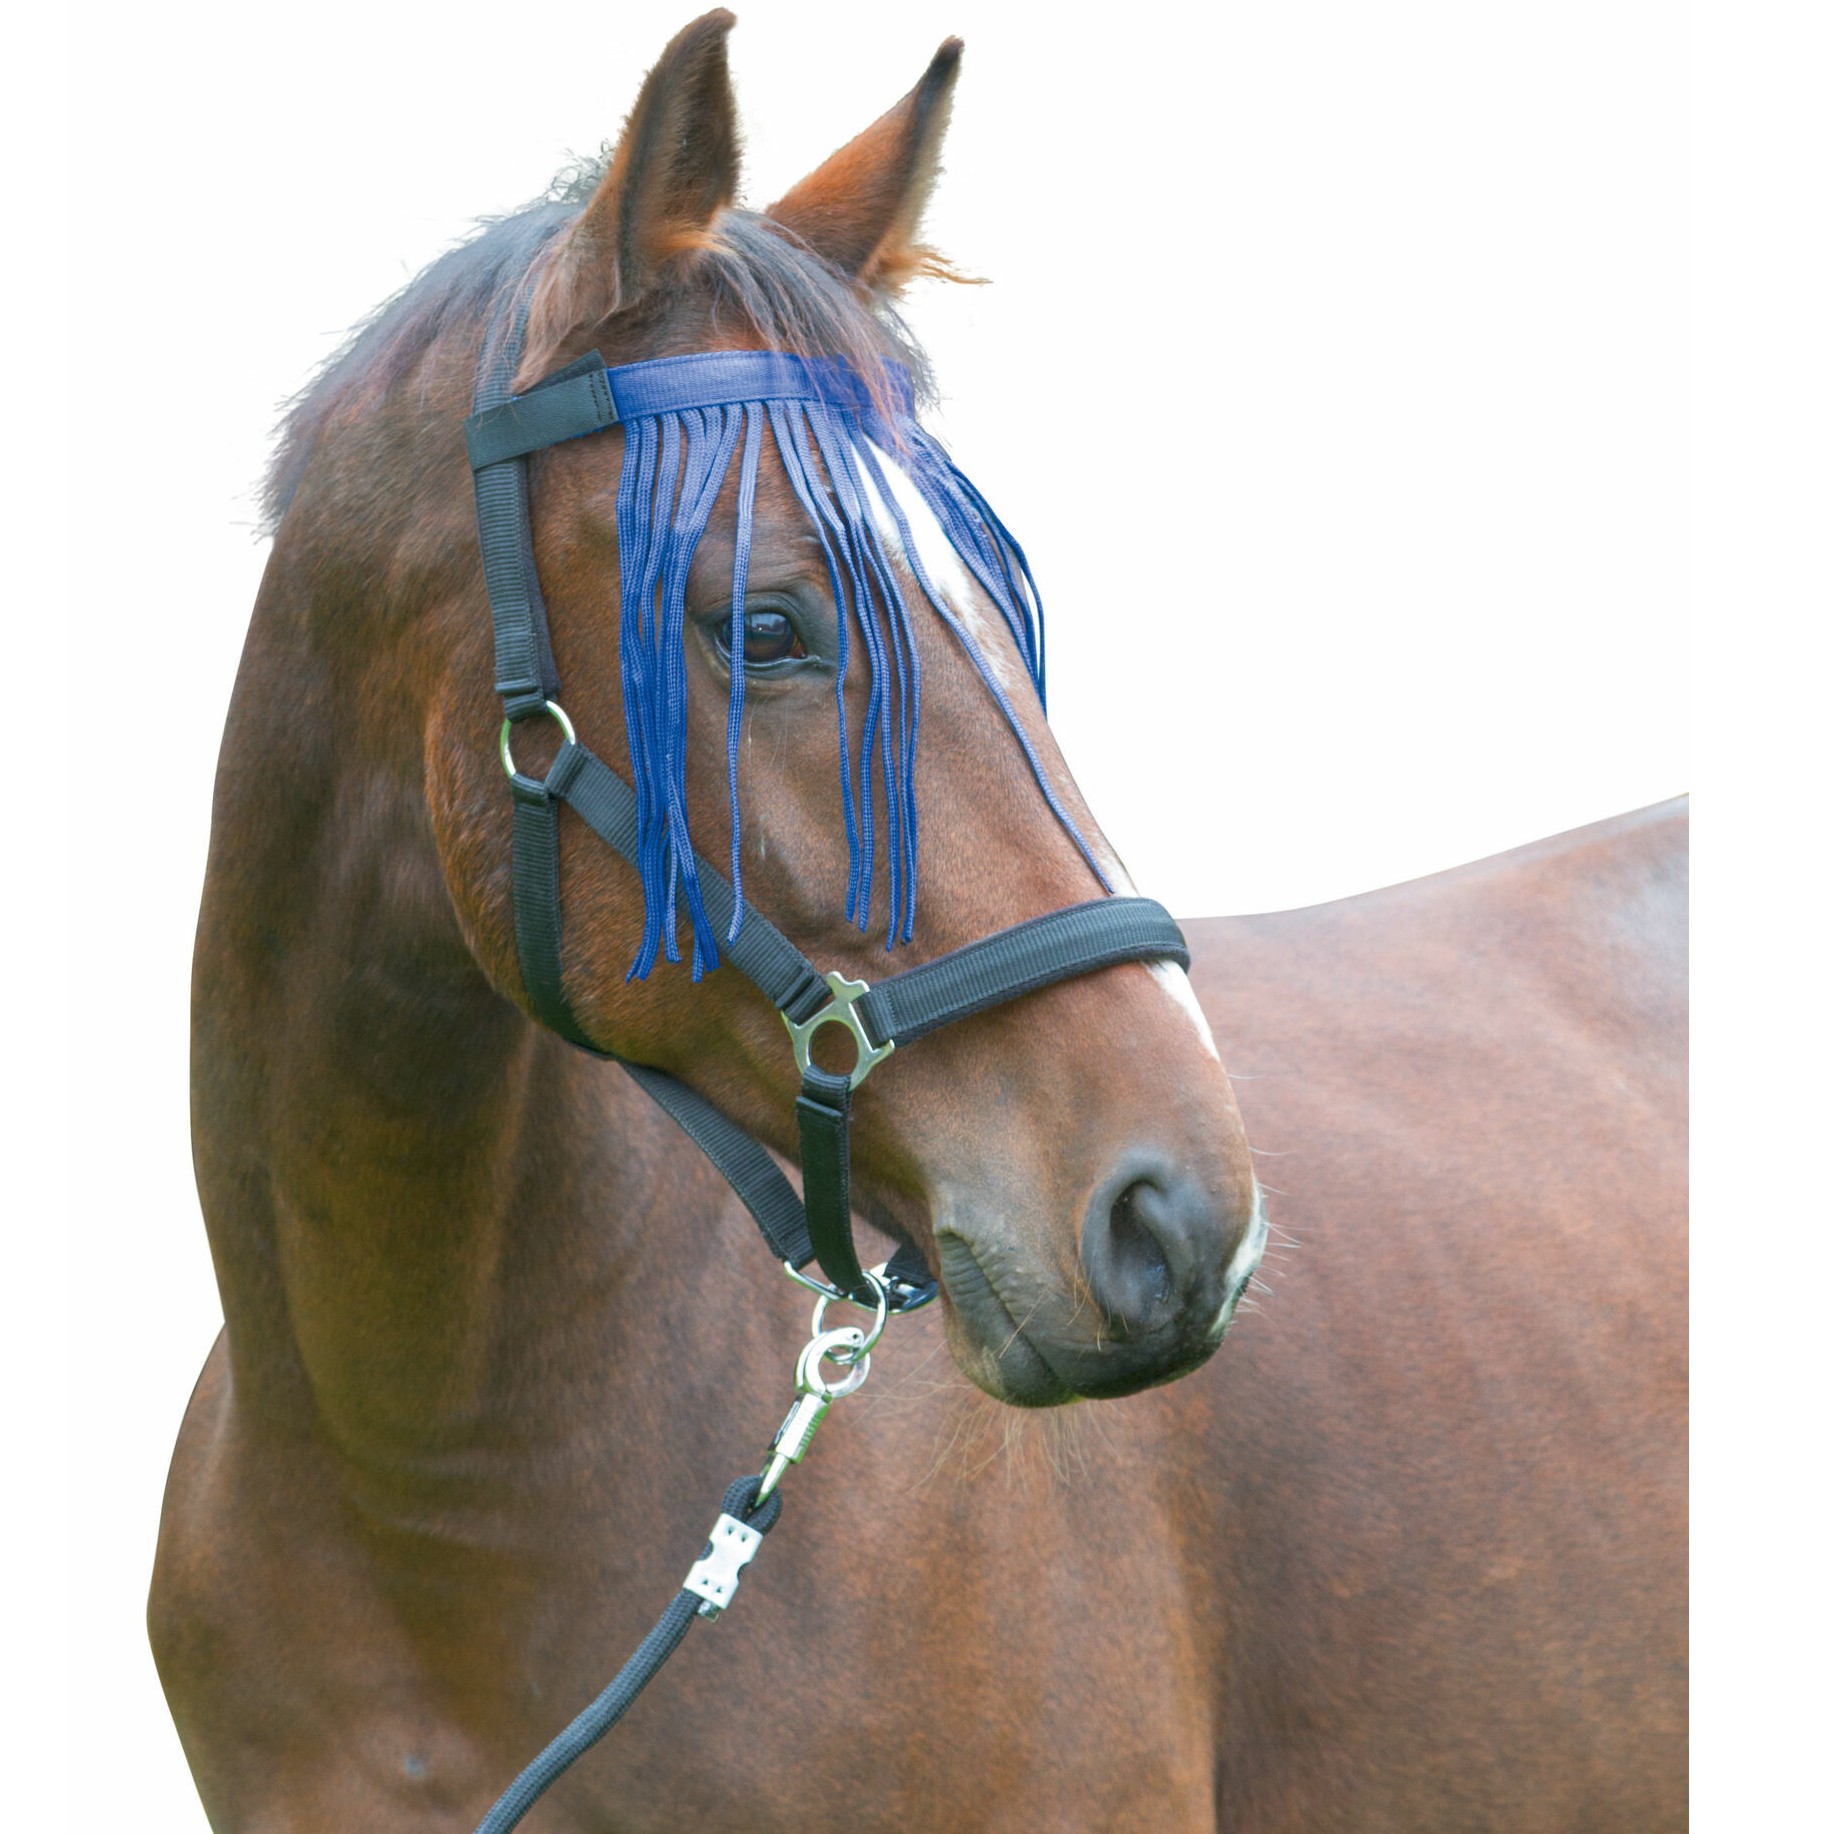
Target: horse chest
958, 1627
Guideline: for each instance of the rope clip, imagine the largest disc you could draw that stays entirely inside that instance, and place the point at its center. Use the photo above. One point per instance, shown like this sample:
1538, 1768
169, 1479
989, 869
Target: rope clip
849, 1349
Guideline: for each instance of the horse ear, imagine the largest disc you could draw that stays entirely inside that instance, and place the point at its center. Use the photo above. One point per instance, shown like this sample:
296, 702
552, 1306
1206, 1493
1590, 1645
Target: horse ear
860, 210
676, 167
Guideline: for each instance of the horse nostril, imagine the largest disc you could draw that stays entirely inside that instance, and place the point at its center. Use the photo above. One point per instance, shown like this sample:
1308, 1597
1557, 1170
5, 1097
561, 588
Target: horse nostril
1138, 1255
1124, 1254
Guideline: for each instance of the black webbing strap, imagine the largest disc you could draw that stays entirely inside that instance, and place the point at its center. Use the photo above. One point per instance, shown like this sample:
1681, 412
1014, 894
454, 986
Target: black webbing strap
909, 1277
823, 1111
567, 405
525, 673
988, 973
535, 878
1031, 955
767, 1194
739, 1159
519, 620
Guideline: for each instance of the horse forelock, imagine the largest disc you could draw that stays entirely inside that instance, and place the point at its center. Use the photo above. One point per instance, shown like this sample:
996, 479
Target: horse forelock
752, 277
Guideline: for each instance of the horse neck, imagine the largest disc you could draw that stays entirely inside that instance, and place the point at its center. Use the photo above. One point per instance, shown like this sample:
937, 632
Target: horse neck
405, 1181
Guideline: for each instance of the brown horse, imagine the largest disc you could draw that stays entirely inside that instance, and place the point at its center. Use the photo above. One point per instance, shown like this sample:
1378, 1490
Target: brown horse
497, 1336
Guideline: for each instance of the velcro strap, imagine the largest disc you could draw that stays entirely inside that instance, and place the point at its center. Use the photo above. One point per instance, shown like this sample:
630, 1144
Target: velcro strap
563, 410
1030, 955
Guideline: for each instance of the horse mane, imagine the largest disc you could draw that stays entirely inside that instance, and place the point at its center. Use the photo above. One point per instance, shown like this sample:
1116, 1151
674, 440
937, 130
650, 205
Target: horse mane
771, 283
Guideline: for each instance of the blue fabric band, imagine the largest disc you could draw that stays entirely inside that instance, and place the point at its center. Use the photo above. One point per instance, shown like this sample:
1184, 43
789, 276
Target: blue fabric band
726, 378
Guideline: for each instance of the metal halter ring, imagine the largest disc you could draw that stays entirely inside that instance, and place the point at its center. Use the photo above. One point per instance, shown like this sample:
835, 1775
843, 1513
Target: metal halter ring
555, 712
882, 1310
839, 1011
847, 1347
822, 1290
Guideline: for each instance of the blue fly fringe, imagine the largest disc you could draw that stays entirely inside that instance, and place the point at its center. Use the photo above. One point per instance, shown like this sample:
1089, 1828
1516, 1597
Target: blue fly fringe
834, 445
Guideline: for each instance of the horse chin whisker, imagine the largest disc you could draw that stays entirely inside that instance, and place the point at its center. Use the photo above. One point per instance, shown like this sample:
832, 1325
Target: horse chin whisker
1018, 1330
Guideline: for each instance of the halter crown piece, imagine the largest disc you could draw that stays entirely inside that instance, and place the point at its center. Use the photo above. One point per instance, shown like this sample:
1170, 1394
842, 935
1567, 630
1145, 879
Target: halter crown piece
684, 419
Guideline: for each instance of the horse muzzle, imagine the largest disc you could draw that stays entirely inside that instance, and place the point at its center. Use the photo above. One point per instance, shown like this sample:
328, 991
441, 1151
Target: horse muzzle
1163, 1261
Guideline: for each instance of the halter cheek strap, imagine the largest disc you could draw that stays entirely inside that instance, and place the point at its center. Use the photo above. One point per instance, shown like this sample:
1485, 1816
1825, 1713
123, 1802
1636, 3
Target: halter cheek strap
585, 398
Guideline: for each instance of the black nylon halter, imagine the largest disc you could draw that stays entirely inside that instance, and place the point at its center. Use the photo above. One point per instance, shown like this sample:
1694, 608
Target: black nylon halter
1081, 939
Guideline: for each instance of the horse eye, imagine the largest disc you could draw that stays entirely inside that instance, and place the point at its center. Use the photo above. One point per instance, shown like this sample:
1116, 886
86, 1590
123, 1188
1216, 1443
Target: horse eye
770, 636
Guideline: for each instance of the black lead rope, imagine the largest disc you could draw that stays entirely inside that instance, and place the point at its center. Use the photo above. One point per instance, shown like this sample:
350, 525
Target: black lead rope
501, 434
740, 1505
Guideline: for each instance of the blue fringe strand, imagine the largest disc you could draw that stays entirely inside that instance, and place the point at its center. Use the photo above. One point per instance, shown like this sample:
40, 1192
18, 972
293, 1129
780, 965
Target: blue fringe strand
834, 453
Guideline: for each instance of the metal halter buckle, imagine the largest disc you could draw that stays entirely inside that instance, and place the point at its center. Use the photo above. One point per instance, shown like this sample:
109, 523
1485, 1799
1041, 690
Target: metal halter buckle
839, 1011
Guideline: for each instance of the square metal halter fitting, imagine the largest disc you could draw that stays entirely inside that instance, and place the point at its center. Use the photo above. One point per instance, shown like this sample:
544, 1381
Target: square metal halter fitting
714, 1578
839, 1011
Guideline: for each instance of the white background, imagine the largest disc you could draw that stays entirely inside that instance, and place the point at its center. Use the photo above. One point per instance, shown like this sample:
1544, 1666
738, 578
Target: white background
1381, 314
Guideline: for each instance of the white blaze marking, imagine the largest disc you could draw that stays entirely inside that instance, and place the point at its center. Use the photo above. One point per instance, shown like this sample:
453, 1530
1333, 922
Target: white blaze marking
1118, 875
1247, 1256
1178, 984
941, 562
1242, 1263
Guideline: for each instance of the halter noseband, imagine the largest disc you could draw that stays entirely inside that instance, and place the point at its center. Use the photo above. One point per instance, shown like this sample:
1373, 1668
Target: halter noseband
587, 397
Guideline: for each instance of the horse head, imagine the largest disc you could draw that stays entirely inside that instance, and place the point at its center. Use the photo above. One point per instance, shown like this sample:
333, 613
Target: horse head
826, 686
